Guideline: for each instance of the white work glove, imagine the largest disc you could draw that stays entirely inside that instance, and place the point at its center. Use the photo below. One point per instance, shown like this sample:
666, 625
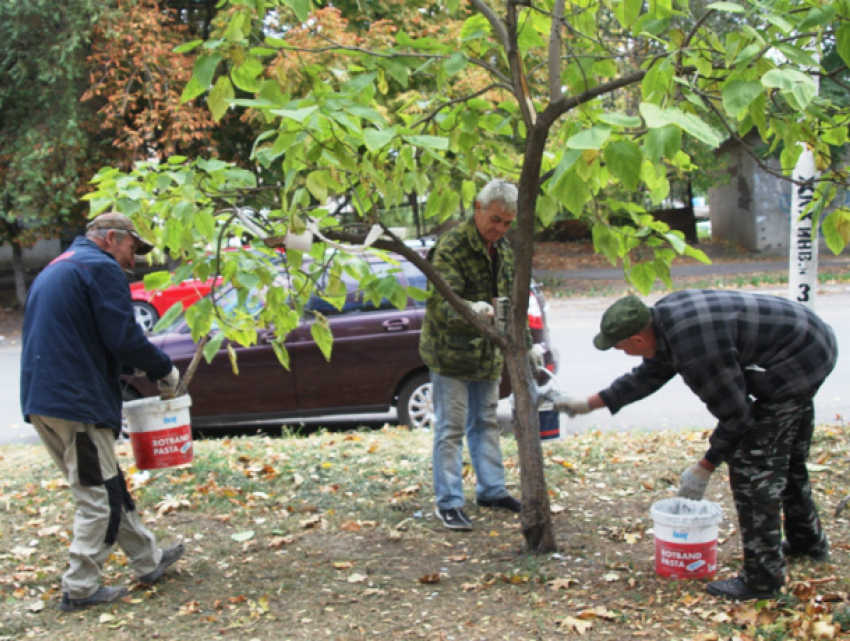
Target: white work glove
535, 360
168, 384
693, 482
571, 406
484, 310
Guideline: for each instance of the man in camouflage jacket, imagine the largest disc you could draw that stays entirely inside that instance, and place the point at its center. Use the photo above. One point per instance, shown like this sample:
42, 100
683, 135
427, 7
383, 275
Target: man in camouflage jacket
756, 361
477, 263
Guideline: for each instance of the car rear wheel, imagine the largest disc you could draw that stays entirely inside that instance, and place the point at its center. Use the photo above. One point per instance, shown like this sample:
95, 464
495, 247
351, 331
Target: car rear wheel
146, 315
415, 407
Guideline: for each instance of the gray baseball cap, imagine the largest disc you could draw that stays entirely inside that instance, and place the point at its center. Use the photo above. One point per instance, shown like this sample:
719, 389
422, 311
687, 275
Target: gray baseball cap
120, 222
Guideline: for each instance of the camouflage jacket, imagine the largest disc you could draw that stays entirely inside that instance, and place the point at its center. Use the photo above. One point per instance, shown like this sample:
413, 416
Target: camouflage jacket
449, 345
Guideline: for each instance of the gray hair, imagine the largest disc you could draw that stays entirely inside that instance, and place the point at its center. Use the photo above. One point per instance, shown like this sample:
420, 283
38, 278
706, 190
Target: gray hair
499, 191
101, 233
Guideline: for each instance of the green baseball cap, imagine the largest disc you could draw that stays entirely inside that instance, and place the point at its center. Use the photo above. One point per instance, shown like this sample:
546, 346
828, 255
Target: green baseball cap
623, 319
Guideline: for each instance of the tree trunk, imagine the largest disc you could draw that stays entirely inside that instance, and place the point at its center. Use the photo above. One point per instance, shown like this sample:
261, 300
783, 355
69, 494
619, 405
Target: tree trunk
536, 520
20, 277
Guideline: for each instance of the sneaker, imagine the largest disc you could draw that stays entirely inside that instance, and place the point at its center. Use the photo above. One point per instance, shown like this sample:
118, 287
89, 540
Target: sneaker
506, 503
454, 519
736, 590
170, 556
817, 557
101, 596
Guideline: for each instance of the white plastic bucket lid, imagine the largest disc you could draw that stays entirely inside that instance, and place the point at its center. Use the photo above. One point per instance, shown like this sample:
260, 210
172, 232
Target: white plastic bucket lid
684, 513
156, 404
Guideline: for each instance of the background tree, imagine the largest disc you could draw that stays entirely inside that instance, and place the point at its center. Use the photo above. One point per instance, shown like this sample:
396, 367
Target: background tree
44, 144
529, 91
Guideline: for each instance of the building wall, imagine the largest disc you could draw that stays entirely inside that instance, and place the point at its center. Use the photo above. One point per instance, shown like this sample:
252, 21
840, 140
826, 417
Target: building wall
35, 257
753, 209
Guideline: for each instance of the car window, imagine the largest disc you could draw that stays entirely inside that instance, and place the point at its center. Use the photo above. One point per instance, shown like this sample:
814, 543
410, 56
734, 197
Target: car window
354, 300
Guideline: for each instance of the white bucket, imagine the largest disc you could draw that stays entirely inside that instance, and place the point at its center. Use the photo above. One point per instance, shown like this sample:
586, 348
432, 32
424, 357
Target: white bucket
686, 538
160, 431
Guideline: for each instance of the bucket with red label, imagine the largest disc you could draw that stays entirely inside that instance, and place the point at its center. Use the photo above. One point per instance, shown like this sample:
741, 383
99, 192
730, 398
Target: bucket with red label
686, 538
160, 431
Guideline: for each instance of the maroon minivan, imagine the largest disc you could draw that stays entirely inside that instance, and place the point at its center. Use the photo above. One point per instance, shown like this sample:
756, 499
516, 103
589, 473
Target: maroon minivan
375, 363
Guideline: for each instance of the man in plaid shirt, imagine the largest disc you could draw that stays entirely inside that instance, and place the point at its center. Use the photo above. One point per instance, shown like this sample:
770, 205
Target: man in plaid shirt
756, 361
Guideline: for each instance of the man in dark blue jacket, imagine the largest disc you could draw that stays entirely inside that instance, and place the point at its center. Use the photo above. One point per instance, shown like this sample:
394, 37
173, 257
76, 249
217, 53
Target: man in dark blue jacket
79, 334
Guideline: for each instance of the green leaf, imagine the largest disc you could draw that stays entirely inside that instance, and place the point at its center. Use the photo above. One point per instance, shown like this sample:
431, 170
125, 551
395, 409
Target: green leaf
836, 230
316, 185
246, 75
192, 90
738, 94
572, 192
169, 317
676, 241
642, 276
241, 537
212, 346
624, 159
428, 142
204, 69
620, 120
188, 46
726, 7
321, 333
663, 141
455, 63
300, 7
592, 138
842, 38
155, 280
376, 139
220, 97
281, 352
298, 115
817, 17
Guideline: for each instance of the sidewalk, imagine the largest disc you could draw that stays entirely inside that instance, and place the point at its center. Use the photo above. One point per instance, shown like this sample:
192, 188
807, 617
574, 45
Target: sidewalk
684, 271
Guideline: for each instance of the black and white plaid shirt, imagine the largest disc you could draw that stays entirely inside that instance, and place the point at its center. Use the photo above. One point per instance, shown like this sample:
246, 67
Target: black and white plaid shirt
732, 349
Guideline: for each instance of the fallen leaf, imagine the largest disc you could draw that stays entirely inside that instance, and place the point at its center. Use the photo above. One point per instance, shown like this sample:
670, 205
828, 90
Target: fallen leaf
460, 558
554, 508
241, 537
312, 522
434, 577
577, 625
357, 578
561, 584
106, 618
611, 576
343, 565
36, 606
823, 630
350, 526
279, 541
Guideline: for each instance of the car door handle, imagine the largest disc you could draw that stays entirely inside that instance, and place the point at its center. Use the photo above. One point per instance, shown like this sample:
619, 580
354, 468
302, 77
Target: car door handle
396, 324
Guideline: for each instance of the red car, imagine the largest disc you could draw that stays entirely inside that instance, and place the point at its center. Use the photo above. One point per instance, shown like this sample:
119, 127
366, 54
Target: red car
375, 363
150, 304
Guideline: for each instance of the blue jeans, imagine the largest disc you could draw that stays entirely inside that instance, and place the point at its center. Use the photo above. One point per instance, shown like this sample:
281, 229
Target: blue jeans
466, 407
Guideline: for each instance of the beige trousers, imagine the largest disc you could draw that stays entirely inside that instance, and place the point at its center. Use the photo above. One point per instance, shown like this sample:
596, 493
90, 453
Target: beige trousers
105, 511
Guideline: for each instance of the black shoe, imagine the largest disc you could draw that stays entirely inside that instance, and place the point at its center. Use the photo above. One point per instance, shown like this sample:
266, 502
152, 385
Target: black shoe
817, 557
170, 556
506, 503
101, 596
736, 590
454, 519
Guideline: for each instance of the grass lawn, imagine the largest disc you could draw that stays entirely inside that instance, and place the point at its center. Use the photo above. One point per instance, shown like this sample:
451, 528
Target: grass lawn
332, 536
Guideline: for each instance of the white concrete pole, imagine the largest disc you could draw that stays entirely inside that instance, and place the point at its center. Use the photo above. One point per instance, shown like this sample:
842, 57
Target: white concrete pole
803, 267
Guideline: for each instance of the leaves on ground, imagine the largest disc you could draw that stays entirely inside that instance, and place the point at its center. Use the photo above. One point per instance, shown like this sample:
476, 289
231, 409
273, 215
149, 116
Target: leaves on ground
333, 536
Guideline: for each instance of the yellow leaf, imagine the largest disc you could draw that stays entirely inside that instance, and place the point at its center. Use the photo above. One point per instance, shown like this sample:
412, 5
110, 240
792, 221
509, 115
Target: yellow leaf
576, 625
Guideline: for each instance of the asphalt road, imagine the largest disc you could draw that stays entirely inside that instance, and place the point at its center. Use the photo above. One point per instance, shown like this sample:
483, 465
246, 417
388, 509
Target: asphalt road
584, 370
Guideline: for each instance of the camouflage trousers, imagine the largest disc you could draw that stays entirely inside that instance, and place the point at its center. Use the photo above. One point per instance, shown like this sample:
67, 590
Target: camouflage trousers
768, 476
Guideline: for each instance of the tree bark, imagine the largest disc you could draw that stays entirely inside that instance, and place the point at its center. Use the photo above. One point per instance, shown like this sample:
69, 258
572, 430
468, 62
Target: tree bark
20, 277
536, 519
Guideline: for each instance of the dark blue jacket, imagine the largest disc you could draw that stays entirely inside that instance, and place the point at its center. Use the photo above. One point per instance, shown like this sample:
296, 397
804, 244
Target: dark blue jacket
79, 329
